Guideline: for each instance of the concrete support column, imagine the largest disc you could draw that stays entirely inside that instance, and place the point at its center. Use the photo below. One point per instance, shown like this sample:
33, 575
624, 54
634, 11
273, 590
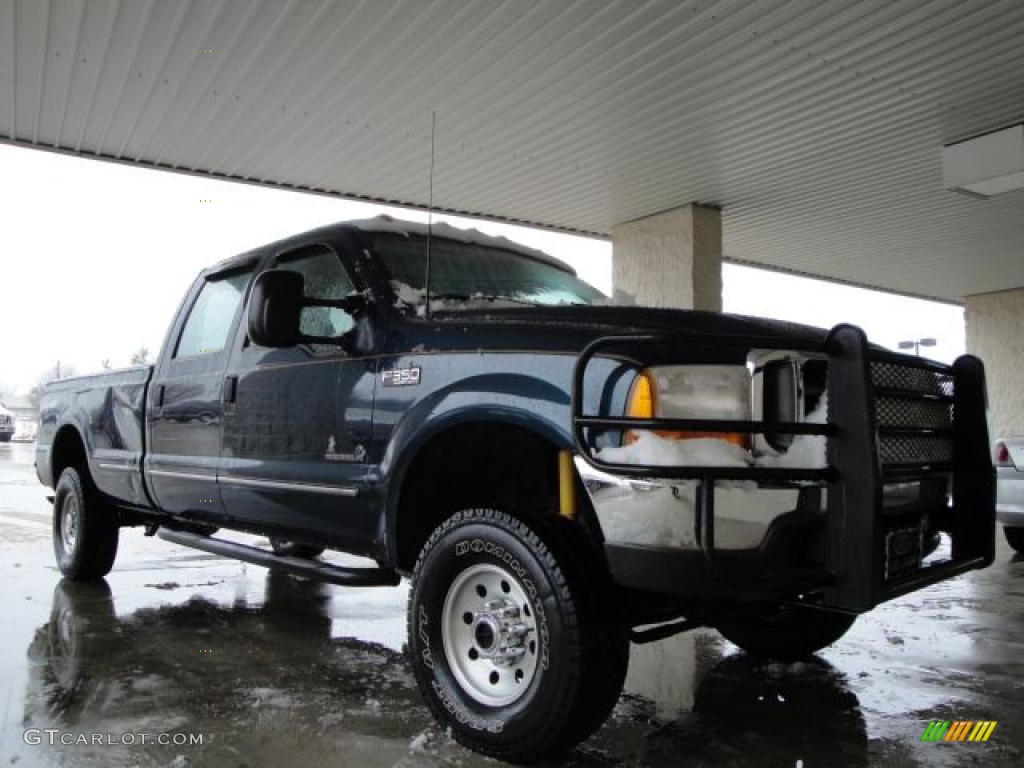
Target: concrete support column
671, 259
995, 333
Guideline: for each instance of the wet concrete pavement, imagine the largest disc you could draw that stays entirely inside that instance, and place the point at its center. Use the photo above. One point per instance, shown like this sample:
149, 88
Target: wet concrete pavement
274, 670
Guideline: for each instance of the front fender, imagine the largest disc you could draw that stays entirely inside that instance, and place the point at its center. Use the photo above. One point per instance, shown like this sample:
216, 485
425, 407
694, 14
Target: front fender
522, 400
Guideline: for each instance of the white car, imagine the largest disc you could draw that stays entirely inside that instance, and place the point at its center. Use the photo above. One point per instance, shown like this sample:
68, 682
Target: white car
6, 424
1008, 455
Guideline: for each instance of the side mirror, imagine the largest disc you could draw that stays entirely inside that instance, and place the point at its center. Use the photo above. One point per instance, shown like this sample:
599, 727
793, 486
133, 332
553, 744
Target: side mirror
275, 308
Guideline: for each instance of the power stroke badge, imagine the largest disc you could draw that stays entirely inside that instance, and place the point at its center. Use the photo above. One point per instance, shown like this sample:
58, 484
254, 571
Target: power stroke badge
401, 377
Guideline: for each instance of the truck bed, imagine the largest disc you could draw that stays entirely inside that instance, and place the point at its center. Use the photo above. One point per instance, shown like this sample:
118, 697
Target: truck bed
108, 409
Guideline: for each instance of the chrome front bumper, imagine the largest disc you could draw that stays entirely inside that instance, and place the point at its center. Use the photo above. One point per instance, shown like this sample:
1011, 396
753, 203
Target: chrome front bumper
663, 513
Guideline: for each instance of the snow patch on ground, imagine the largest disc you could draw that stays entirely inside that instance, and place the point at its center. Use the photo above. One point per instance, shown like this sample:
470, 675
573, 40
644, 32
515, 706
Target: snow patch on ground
419, 742
148, 683
271, 697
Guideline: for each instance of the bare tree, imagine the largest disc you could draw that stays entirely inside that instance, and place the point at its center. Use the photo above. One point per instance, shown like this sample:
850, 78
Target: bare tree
105, 363
140, 356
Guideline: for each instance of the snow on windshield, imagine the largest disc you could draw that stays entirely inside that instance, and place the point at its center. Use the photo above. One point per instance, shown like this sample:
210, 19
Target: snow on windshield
407, 297
390, 225
474, 275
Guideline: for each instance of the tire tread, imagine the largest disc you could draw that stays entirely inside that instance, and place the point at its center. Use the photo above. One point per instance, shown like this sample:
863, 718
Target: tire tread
600, 646
99, 531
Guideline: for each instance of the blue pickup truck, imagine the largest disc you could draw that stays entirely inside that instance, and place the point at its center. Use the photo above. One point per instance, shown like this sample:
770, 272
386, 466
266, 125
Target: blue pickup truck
557, 476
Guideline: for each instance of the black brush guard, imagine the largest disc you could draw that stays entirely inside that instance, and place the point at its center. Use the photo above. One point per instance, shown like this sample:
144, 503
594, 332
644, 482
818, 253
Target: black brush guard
853, 575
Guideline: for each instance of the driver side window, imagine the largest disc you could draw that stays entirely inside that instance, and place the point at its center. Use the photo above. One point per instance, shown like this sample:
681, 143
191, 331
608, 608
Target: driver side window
325, 278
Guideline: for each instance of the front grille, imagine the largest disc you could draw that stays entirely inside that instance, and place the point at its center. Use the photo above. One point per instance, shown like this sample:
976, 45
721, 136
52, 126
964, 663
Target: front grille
920, 381
914, 450
914, 414
904, 412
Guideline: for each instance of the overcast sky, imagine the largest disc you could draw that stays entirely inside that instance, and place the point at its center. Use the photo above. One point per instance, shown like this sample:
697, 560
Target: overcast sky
94, 258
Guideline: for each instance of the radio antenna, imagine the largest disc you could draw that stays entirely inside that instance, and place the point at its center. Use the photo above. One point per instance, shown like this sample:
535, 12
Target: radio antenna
430, 212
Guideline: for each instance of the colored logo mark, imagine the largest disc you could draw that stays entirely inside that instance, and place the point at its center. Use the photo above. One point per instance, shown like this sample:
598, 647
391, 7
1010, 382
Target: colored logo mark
958, 730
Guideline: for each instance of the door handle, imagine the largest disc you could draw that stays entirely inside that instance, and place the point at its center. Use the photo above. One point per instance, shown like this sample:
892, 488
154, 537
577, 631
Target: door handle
230, 389
159, 395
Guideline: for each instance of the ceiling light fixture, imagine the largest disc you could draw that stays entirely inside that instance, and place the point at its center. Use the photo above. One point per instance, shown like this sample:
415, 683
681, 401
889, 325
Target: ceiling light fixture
986, 165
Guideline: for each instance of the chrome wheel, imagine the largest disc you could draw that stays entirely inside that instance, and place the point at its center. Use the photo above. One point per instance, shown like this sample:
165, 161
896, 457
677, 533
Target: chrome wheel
489, 630
69, 524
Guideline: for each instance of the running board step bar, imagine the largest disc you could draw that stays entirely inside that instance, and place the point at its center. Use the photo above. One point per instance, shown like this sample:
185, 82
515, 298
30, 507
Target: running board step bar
313, 569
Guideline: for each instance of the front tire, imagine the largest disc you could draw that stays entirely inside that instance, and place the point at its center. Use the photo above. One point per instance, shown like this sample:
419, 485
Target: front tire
85, 533
514, 635
786, 633
1014, 537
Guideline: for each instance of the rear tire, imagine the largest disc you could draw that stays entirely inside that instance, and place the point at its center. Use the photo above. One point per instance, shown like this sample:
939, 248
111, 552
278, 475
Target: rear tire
1014, 537
85, 532
541, 661
785, 633
287, 548
6, 437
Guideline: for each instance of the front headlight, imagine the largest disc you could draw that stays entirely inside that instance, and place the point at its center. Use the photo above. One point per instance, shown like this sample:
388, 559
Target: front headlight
692, 392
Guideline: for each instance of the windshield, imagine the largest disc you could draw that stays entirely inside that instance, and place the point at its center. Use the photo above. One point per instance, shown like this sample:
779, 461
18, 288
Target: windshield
467, 275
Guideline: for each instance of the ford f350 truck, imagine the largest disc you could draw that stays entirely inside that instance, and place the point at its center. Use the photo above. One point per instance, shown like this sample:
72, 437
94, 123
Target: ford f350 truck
559, 478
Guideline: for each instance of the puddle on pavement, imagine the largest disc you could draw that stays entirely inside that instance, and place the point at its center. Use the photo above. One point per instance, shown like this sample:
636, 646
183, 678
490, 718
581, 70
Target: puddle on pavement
273, 669
267, 682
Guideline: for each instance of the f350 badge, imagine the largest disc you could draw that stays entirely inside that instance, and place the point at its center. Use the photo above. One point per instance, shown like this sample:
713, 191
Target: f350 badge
401, 377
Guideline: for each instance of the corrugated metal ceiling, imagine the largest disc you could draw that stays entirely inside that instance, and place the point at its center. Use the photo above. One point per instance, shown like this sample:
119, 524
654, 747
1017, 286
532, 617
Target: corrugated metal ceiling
817, 125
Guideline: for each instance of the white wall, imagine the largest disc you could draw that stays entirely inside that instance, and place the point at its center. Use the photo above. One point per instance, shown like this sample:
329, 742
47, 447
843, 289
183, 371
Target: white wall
995, 333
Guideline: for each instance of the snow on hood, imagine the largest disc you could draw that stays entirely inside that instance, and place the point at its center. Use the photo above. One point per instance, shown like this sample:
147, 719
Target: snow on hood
391, 225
